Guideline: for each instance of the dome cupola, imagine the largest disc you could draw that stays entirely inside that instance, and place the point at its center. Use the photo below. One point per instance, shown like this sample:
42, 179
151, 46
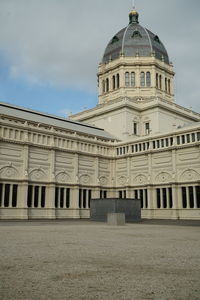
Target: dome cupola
135, 40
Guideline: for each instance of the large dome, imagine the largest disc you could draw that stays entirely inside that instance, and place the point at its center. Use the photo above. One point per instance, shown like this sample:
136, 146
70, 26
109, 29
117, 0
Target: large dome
135, 40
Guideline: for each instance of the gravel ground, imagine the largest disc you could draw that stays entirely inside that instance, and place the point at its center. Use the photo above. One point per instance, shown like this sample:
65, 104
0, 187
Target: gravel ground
155, 260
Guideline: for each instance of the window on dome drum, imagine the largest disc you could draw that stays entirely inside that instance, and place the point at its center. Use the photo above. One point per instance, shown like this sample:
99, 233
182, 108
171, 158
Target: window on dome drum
156, 38
118, 81
127, 79
148, 79
136, 34
157, 80
160, 82
132, 79
114, 39
113, 80
107, 85
166, 90
142, 79
169, 86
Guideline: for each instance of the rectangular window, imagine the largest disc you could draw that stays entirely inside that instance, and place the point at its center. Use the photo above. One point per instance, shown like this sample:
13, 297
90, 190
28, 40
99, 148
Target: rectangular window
147, 128
7, 195
105, 194
191, 197
178, 140
188, 138
61, 197
80, 198
56, 197
68, 198
120, 194
158, 144
164, 198
43, 196
158, 198
36, 194
136, 148
1, 192
198, 196
29, 196
193, 137
183, 139
136, 194
162, 143
166, 142
14, 195
135, 128
141, 198
84, 198
154, 145
170, 198
89, 197
142, 79
184, 197
146, 198
171, 141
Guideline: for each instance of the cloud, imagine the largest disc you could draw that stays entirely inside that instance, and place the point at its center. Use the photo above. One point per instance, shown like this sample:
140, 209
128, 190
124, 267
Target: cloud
60, 43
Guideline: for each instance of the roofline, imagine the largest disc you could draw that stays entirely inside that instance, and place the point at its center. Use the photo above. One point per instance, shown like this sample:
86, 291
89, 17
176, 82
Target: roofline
47, 115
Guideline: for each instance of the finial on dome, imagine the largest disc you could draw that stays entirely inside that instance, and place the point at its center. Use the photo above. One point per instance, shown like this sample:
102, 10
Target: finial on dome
133, 15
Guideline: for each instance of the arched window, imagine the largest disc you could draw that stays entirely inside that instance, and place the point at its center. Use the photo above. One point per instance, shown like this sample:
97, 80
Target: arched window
157, 80
107, 85
103, 86
113, 82
169, 86
148, 79
132, 79
166, 85
160, 82
118, 81
142, 79
127, 79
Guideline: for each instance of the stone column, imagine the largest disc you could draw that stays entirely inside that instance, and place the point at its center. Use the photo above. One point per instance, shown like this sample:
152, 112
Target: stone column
10, 195
74, 202
22, 194
3, 194
195, 197
187, 197
161, 198
167, 196
39, 196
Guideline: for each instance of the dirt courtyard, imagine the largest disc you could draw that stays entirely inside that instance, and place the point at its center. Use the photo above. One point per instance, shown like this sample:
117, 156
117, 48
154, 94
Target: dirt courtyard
77, 259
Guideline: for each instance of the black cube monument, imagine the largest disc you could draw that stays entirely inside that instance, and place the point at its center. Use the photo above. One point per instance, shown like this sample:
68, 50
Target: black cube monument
100, 208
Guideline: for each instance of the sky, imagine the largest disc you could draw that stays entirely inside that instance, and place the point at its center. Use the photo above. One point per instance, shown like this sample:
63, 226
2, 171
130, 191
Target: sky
50, 49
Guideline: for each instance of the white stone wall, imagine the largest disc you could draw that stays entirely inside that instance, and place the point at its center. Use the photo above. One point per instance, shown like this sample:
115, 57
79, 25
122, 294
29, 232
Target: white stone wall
52, 160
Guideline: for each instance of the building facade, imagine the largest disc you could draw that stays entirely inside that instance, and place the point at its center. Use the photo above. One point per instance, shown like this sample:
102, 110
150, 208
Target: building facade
136, 143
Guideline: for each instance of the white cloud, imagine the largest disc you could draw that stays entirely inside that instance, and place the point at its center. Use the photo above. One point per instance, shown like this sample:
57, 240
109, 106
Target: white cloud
61, 42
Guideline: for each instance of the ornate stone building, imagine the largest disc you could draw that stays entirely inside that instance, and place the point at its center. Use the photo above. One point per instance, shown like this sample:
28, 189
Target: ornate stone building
137, 142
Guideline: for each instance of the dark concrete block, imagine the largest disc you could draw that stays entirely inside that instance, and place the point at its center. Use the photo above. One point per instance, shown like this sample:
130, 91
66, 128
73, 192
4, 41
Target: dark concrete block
100, 208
